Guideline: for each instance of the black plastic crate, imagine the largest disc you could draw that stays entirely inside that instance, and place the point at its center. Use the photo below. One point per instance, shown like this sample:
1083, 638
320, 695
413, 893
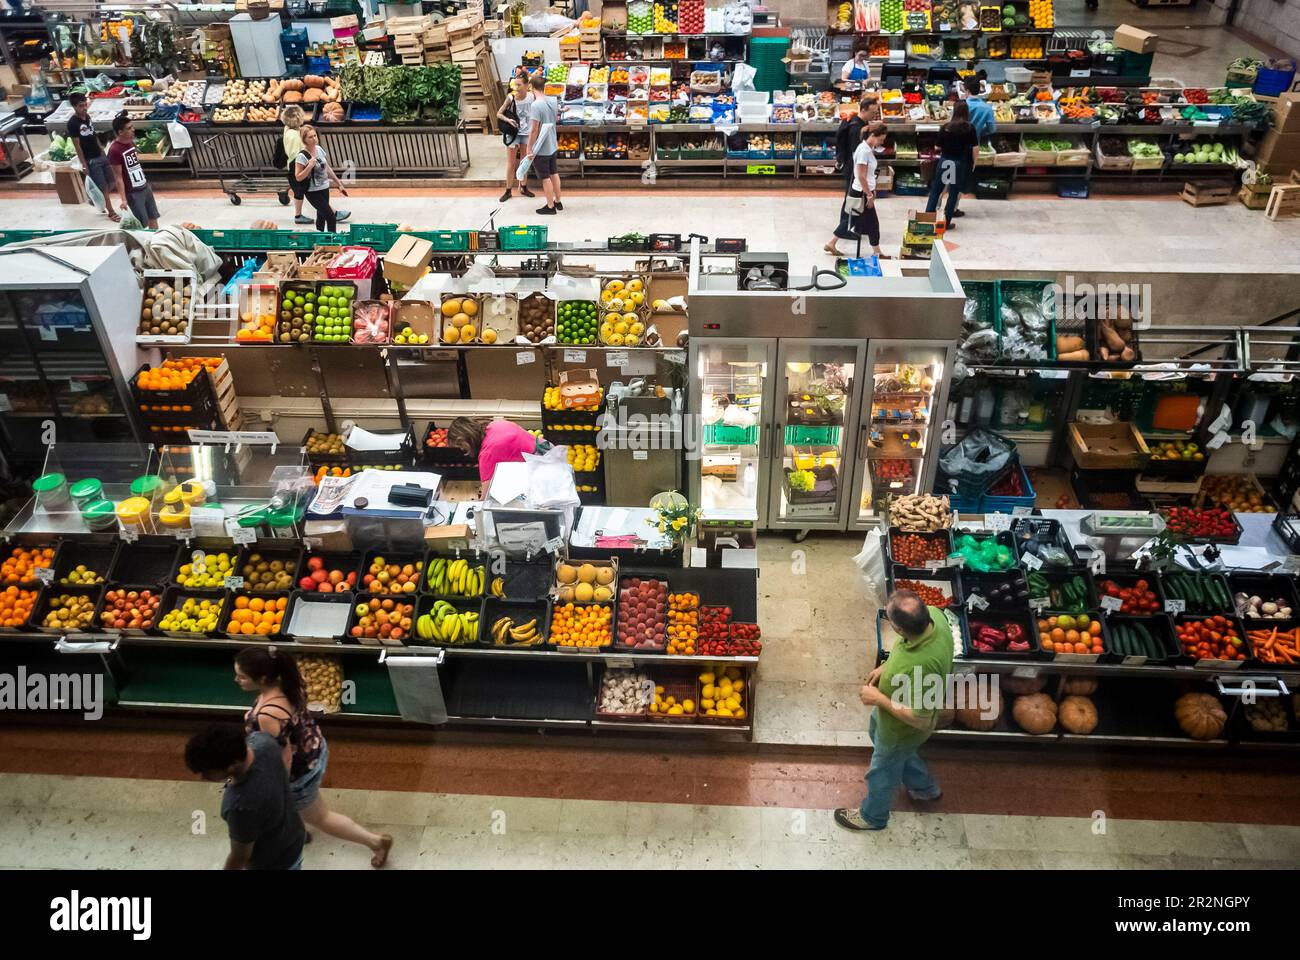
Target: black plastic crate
174, 597
1128, 580
345, 563
519, 611
1160, 627
147, 563
185, 555
999, 620
628, 243
665, 242
943, 537
1262, 656
472, 557
95, 557
373, 600
1002, 537
398, 558
288, 555
1213, 662
425, 605
983, 584
526, 581
1034, 533
300, 597
224, 625
947, 577
1056, 578
1177, 585
49, 593
110, 587
1232, 538
441, 455
1242, 729
730, 245
403, 456
489, 687
323, 459
1269, 588
53, 545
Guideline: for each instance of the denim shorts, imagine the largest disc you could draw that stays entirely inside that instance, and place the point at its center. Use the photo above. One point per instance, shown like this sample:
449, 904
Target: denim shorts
306, 789
143, 205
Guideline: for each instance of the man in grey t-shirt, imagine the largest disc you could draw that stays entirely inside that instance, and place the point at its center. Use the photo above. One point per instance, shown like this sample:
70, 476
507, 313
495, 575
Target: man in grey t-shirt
542, 145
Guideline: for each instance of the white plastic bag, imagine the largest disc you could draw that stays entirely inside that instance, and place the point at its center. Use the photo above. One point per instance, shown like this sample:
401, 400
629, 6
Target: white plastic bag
521, 171
743, 77
550, 480
95, 195
871, 562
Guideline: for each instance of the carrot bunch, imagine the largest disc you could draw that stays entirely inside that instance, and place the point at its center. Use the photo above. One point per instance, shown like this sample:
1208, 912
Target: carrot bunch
1276, 646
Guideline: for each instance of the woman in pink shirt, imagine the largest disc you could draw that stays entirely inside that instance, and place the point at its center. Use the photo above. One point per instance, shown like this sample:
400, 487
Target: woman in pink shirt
497, 441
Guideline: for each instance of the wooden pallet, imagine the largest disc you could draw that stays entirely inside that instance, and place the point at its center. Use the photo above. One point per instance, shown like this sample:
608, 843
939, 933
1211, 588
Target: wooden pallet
1284, 201
1206, 193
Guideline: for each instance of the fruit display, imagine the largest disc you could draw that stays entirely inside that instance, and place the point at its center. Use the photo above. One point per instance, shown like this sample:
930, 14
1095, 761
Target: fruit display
1176, 450
455, 578
1200, 592
664, 14
1136, 639
323, 679
1115, 336
383, 577
69, 611
892, 470
445, 624
584, 583
324, 445
930, 596
81, 575
1035, 713
1235, 493
323, 471
1070, 634
320, 576
536, 317
297, 314
912, 550
194, 615
21, 564
643, 616
239, 93
405, 336
1257, 608
576, 321
516, 632
333, 314
436, 439
386, 620
1041, 14
1138, 600
1206, 523
583, 457
1069, 595
167, 308
623, 308
722, 692
1266, 716
371, 321
206, 570
640, 17
1026, 48
891, 16
460, 319
625, 693
16, 606
126, 609
256, 616
984, 554
665, 705
991, 635
683, 623
585, 626
1211, 638
743, 640
920, 513
268, 574
1200, 715
990, 18
189, 93
715, 630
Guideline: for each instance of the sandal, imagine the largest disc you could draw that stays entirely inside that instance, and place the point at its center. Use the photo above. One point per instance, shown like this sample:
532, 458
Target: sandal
381, 855
833, 250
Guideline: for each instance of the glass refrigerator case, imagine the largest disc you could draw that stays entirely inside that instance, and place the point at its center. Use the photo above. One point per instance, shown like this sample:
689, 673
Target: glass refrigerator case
732, 380
901, 424
818, 385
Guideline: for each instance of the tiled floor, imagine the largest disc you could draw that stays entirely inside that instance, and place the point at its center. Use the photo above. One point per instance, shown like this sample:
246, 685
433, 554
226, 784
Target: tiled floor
96, 823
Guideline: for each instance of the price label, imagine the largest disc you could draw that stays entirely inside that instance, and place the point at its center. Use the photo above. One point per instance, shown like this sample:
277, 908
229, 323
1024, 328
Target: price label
1031, 561
761, 169
997, 522
1079, 74
45, 574
616, 358
945, 27
1022, 512
976, 602
49, 333
957, 561
1175, 606
77, 386
312, 543
1025, 673
553, 545
525, 357
1038, 603
244, 535
927, 128
935, 564
129, 534
620, 663
1218, 440
1111, 604
640, 454
184, 535
233, 583
575, 356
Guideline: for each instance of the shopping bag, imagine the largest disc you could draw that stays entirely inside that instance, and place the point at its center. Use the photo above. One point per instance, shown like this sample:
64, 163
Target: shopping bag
95, 195
129, 222
521, 171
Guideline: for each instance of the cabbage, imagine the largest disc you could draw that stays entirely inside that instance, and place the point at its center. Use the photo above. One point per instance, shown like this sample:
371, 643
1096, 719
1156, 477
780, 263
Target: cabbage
61, 148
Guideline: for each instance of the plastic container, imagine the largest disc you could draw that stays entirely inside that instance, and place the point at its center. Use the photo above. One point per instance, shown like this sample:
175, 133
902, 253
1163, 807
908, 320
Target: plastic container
136, 514
51, 491
86, 492
282, 524
150, 486
100, 516
192, 493
174, 518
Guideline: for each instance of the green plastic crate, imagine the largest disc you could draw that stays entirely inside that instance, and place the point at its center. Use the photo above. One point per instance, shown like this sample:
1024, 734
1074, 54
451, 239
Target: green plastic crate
380, 236
985, 293
446, 239
1041, 294
801, 435
725, 433
522, 238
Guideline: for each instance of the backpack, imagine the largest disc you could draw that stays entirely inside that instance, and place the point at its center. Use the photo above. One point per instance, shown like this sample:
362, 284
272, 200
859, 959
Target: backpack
847, 138
279, 159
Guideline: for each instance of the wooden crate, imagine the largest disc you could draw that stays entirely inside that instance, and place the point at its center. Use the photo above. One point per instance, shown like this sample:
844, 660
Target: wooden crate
589, 52
1253, 197
1206, 193
569, 52
1284, 201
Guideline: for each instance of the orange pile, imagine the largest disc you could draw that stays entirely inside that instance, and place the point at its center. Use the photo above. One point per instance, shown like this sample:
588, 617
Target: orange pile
257, 326
20, 567
176, 374
257, 615
1065, 634
582, 626
683, 623
16, 606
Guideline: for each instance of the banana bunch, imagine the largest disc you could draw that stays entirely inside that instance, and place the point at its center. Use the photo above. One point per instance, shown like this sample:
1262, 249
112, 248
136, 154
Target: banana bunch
446, 625
498, 588
455, 578
506, 634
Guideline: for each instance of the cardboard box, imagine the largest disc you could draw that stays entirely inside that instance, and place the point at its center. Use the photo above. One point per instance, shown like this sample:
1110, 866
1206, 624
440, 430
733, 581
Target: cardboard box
1286, 114
70, 185
349, 22
1134, 40
316, 266
1108, 446
1279, 153
420, 315
448, 538
406, 259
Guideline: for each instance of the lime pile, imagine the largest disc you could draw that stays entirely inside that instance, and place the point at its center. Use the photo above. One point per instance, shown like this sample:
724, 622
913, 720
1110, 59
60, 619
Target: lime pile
575, 321
297, 315
334, 314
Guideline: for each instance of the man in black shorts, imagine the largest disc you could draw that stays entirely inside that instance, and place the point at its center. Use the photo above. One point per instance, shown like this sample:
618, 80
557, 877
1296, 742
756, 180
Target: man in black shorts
82, 134
543, 145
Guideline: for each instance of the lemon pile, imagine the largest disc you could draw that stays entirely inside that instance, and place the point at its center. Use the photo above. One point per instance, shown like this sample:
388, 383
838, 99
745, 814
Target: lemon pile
583, 457
208, 571
458, 315
722, 693
668, 705
193, 616
622, 301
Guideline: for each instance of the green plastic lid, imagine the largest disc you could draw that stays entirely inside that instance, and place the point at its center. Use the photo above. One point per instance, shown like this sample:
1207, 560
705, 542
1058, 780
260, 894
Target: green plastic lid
284, 517
48, 482
101, 511
146, 486
90, 487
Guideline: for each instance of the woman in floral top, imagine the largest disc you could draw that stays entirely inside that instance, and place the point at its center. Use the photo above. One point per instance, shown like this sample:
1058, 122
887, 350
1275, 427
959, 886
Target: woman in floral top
281, 711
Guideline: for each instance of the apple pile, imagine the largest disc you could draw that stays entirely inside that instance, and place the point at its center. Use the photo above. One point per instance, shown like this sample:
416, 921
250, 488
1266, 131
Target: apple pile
319, 578
437, 438
129, 609
392, 578
385, 620
370, 322
641, 608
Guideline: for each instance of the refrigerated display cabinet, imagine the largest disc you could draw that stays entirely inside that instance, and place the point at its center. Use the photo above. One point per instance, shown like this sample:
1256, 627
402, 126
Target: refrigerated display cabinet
67, 345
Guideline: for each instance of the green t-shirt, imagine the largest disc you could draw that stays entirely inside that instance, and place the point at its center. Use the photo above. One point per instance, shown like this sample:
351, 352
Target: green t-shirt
932, 653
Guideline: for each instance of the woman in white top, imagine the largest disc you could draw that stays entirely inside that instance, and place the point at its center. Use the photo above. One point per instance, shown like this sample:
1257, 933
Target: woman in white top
862, 191
516, 123
856, 68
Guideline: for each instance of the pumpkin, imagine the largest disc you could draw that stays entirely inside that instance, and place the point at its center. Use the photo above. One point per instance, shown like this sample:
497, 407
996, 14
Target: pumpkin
291, 85
1078, 686
313, 81
974, 719
332, 112
1200, 715
1022, 686
312, 95
292, 96
1035, 713
1077, 715
264, 225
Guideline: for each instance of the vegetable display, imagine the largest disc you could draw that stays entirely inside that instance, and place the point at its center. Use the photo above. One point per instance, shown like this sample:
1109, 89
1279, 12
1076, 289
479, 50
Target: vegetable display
1138, 599
1069, 634
1070, 595
1214, 638
1201, 524
930, 596
911, 550
1135, 639
920, 512
998, 637
1257, 608
1275, 645
1035, 713
984, 554
1200, 715
1115, 337
403, 93
1078, 715
1267, 716
974, 718
1201, 592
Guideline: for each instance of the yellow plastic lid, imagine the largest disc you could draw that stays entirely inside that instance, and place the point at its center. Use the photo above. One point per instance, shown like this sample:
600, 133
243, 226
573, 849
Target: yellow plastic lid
133, 510
175, 516
191, 492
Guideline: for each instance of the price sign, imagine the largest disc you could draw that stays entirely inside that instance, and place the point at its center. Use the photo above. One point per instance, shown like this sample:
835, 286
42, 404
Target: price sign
312, 543
233, 583
1111, 604
575, 356
616, 358
49, 333
1080, 74
640, 454
184, 534
976, 602
525, 357
1218, 440
77, 386
957, 561
244, 535
129, 534
1025, 673
997, 522
1175, 606
45, 574
620, 663
1038, 603
1022, 512
761, 169
553, 545
935, 564
1031, 561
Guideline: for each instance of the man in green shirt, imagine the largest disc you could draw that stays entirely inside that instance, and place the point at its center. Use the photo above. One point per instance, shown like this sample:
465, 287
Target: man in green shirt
909, 692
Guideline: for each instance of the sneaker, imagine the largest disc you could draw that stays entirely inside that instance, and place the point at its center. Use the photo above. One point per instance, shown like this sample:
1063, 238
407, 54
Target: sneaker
949, 227
341, 215
851, 819
505, 196
526, 192
958, 213
302, 219
546, 211
922, 798
558, 205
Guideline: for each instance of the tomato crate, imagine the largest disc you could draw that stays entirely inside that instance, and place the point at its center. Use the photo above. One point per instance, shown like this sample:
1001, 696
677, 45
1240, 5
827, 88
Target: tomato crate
938, 543
947, 581
1213, 663
1129, 581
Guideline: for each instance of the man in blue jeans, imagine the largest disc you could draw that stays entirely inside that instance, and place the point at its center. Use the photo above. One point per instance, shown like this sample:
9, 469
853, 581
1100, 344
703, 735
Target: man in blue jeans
903, 691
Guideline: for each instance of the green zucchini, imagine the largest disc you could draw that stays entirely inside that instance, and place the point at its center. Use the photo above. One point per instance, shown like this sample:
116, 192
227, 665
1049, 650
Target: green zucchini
1119, 638
1149, 647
